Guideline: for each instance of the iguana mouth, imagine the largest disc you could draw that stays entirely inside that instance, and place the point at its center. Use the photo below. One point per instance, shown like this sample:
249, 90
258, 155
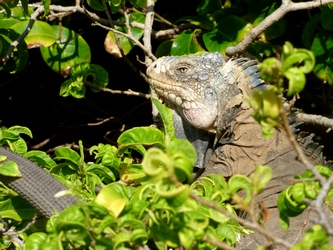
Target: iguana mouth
185, 97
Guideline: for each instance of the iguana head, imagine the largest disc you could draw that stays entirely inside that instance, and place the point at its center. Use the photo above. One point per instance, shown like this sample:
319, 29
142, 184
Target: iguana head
206, 90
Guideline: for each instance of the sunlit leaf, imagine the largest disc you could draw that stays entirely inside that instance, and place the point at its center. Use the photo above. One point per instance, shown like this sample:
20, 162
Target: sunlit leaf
10, 168
229, 32
186, 43
296, 80
41, 34
69, 50
135, 137
322, 47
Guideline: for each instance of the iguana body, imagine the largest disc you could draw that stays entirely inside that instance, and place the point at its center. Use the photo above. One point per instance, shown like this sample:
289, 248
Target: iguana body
209, 94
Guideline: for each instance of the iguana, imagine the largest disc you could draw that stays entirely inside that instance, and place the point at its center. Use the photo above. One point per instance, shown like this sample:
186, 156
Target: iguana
208, 93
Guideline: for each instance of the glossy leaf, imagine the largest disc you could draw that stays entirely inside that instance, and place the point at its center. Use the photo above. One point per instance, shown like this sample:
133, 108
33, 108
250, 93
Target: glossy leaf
10, 168
126, 44
322, 47
166, 116
164, 49
69, 50
136, 137
41, 158
203, 21
67, 154
186, 43
35, 241
96, 5
41, 34
16, 208
18, 58
309, 31
296, 80
113, 197
229, 32
326, 18
240, 182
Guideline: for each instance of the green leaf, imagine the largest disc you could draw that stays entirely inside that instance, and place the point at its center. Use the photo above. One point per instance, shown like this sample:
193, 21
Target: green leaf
35, 241
309, 31
101, 77
20, 130
326, 18
41, 34
96, 5
67, 154
113, 197
16, 208
18, 58
296, 79
322, 47
135, 137
166, 116
156, 163
186, 43
41, 158
260, 177
164, 49
102, 172
126, 44
240, 182
17, 15
46, 4
229, 32
69, 50
208, 6
18, 146
204, 21
10, 168
297, 57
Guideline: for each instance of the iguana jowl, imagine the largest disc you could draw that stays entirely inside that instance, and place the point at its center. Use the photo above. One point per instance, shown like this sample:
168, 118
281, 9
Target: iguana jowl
209, 93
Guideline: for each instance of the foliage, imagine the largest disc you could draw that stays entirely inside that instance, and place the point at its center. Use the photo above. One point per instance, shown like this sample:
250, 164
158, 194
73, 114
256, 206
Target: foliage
151, 201
267, 104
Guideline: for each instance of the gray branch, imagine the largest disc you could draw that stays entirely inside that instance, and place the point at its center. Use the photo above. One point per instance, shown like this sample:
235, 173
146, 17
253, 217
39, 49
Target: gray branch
286, 6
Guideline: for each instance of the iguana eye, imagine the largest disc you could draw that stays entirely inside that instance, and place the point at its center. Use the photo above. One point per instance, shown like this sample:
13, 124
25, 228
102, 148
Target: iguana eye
182, 69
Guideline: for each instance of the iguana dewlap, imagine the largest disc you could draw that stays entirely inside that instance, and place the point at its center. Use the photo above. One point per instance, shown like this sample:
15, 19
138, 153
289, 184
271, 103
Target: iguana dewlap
209, 94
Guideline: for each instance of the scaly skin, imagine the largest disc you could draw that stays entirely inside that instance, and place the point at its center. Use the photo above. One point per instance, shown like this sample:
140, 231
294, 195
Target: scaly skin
209, 93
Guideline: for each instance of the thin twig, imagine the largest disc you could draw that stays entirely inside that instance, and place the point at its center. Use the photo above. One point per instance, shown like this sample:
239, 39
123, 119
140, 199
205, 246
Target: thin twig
317, 204
325, 184
286, 6
147, 31
252, 225
121, 92
217, 243
313, 119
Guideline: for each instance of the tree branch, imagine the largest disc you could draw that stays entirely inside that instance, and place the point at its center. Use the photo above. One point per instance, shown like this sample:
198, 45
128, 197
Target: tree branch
286, 6
314, 120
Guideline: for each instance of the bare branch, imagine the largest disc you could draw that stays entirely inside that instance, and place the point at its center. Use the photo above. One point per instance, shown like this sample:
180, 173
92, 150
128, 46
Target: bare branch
148, 29
318, 205
314, 120
286, 6
122, 92
253, 225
